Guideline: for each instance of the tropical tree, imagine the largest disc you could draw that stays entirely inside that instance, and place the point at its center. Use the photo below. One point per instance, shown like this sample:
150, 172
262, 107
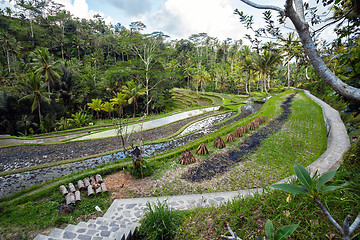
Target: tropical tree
45, 66
147, 48
119, 100
7, 42
247, 66
95, 105
294, 10
133, 91
34, 85
288, 46
201, 77
107, 107
263, 63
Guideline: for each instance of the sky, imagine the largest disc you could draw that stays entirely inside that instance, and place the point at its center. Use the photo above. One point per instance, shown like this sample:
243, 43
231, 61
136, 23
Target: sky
177, 18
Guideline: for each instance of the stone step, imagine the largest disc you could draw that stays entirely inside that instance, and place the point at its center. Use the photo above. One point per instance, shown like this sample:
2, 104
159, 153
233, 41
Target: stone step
99, 229
57, 233
43, 237
124, 234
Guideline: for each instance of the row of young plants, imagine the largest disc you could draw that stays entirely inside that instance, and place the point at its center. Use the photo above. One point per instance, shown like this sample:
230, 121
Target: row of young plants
299, 214
271, 162
12, 205
48, 193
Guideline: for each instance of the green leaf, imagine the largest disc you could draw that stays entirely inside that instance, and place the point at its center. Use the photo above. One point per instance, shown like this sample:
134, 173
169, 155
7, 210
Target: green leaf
329, 188
285, 232
303, 175
290, 188
324, 179
269, 229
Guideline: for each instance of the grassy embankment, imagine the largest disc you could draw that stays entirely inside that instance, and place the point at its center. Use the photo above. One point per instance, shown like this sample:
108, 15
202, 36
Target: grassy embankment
248, 216
50, 198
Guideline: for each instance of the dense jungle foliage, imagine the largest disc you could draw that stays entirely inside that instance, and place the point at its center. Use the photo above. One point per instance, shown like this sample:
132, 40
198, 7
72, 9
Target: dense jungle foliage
58, 71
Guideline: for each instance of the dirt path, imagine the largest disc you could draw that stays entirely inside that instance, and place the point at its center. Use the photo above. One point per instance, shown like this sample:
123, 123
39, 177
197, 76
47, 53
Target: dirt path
219, 163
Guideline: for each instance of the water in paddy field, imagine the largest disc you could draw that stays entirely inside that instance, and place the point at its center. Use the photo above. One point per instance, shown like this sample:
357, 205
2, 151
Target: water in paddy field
149, 124
16, 182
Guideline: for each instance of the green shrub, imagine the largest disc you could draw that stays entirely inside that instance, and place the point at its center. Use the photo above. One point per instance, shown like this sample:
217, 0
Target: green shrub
160, 222
352, 157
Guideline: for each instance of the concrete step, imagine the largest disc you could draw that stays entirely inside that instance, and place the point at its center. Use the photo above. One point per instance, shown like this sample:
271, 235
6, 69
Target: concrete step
43, 237
95, 229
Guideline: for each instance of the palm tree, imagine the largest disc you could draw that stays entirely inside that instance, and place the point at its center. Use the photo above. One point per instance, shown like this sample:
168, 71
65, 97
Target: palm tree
34, 85
107, 107
95, 105
288, 47
119, 100
133, 92
45, 66
264, 62
6, 42
201, 77
247, 63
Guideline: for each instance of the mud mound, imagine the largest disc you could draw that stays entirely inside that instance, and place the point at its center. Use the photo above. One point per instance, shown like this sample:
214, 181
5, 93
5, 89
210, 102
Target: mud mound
219, 163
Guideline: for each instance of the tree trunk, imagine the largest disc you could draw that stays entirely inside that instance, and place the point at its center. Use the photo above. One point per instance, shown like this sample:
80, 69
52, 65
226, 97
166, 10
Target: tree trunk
8, 59
302, 29
134, 110
264, 83
147, 91
249, 84
288, 70
325, 73
246, 84
38, 103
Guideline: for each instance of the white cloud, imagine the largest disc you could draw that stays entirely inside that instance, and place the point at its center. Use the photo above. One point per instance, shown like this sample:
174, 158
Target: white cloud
180, 19
80, 9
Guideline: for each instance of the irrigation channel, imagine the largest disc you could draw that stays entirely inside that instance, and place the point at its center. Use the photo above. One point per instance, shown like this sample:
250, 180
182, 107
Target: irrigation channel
15, 182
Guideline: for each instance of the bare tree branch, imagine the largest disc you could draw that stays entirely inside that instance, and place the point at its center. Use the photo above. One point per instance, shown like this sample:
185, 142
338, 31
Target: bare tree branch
328, 215
258, 6
355, 224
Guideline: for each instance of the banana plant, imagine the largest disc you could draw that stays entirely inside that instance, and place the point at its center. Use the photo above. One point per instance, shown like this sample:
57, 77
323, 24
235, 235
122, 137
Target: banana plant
314, 188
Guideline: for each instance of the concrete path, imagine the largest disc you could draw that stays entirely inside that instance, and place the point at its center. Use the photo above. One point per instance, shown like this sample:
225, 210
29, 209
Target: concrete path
122, 218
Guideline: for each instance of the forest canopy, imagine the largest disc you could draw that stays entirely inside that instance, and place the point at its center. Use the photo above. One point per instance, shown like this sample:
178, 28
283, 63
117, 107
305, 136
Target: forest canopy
58, 70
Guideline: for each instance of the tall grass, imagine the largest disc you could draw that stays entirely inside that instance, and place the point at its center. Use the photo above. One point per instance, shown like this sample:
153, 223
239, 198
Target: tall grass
160, 222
